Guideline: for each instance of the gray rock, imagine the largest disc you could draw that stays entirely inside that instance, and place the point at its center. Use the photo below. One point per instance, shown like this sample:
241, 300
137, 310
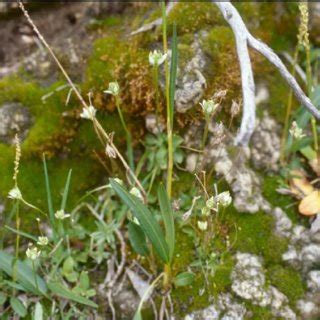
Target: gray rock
283, 223
265, 142
313, 281
310, 256
14, 119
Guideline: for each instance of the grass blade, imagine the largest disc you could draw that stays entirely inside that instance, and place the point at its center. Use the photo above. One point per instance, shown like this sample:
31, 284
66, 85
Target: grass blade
64, 292
147, 221
49, 197
168, 218
66, 191
173, 72
21, 233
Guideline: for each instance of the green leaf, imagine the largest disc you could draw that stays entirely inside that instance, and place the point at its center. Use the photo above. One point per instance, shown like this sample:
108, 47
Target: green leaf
38, 311
24, 273
147, 221
18, 307
3, 298
66, 191
62, 291
168, 218
49, 197
137, 239
184, 279
84, 280
137, 315
21, 233
173, 71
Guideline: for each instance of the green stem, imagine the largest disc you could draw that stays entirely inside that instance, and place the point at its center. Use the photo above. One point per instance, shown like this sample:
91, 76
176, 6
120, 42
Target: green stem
309, 82
289, 109
169, 116
156, 87
167, 276
128, 135
205, 133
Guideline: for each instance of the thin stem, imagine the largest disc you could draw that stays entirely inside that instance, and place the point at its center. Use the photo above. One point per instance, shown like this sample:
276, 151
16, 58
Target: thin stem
14, 272
288, 111
169, 116
156, 87
127, 133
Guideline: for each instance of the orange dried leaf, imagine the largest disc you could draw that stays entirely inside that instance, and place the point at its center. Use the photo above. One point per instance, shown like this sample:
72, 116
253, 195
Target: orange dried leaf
315, 165
310, 205
299, 184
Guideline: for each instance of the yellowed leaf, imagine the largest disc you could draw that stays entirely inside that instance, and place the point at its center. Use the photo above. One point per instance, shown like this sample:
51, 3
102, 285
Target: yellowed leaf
315, 165
310, 205
299, 184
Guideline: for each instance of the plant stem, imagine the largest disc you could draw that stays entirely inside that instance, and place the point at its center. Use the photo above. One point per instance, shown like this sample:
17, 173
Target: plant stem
288, 111
309, 83
167, 277
156, 87
169, 116
127, 133
205, 133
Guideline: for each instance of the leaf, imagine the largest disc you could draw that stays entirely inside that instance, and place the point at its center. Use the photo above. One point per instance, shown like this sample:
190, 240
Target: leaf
18, 307
24, 274
21, 233
168, 218
137, 239
38, 311
173, 71
299, 184
49, 197
64, 292
84, 280
66, 191
3, 298
147, 221
184, 279
310, 205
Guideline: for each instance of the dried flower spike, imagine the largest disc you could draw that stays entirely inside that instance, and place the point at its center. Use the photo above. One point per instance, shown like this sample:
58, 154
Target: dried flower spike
17, 158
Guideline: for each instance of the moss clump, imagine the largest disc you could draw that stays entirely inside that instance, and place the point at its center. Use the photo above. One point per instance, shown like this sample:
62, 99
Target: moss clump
288, 281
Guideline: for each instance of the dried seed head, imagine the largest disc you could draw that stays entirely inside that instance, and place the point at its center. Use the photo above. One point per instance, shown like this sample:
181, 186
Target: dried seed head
235, 108
295, 131
303, 35
110, 151
17, 158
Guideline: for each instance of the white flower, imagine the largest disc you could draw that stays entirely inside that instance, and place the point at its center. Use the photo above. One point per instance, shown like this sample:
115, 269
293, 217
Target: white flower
136, 221
113, 89
205, 211
88, 113
61, 215
202, 225
209, 107
111, 153
42, 241
296, 132
33, 253
156, 58
15, 193
224, 199
136, 192
210, 203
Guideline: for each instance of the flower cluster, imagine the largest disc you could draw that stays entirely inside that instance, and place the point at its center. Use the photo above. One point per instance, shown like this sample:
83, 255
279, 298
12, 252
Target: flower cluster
209, 107
113, 89
88, 113
42, 241
295, 131
61, 215
156, 58
15, 194
33, 253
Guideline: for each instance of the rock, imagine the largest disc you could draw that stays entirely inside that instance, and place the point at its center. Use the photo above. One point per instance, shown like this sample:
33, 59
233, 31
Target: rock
265, 142
283, 223
14, 119
190, 88
310, 256
249, 282
313, 281
225, 308
151, 124
309, 307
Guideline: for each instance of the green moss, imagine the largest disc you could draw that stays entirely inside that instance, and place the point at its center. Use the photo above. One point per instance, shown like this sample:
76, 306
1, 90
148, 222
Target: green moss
255, 235
191, 17
288, 281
